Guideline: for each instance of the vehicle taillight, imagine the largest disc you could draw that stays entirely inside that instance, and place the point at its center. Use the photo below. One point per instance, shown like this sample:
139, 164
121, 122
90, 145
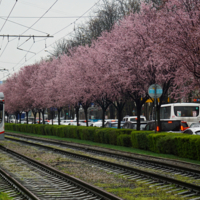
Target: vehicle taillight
157, 128
169, 122
182, 129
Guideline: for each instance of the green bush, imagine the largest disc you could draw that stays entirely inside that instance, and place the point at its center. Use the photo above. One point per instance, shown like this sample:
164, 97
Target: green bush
188, 146
156, 138
139, 139
167, 145
182, 145
153, 139
124, 140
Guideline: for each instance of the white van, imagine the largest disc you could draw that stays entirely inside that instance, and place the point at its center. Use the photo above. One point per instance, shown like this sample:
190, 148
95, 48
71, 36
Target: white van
188, 112
134, 118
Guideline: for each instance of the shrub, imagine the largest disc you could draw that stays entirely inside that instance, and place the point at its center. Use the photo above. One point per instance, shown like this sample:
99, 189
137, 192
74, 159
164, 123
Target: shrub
167, 145
124, 140
139, 139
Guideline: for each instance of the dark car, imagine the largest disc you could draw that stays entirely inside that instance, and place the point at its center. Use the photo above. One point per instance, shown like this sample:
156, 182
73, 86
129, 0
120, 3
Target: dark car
133, 125
168, 125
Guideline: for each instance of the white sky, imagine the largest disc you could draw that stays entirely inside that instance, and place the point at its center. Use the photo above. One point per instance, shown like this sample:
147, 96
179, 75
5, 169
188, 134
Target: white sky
13, 59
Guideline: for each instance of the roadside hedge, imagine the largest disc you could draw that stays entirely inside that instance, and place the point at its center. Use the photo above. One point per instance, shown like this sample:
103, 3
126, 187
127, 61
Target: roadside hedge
182, 145
95, 134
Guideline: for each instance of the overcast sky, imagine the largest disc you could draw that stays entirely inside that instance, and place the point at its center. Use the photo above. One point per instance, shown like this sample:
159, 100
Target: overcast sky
23, 17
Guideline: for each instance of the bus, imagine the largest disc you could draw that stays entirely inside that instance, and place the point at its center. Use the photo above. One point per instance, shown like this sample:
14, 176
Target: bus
1, 116
188, 112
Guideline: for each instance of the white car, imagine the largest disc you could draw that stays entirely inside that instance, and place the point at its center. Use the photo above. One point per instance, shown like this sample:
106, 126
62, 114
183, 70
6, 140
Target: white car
66, 122
99, 122
195, 125
134, 118
192, 131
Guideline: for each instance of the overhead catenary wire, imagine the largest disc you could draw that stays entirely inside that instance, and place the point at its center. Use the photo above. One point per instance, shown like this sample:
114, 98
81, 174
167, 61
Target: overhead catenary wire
32, 24
41, 16
8, 15
24, 25
78, 18
46, 46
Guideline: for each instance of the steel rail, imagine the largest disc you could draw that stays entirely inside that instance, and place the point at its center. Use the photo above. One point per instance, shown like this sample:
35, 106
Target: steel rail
81, 184
125, 169
117, 155
18, 186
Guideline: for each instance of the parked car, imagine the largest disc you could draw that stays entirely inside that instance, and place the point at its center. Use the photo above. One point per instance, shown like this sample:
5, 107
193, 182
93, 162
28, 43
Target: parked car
114, 124
194, 125
99, 122
83, 123
66, 122
23, 122
133, 125
168, 125
192, 131
134, 118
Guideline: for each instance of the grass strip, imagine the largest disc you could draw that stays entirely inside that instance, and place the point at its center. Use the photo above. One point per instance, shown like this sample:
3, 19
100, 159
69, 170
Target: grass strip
119, 148
4, 196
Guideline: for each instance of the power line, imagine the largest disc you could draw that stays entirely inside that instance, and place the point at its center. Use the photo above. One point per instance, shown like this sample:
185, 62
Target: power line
8, 16
31, 25
53, 35
23, 25
41, 16
78, 18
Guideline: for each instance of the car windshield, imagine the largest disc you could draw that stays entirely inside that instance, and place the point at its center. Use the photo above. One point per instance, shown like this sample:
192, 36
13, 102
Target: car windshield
195, 125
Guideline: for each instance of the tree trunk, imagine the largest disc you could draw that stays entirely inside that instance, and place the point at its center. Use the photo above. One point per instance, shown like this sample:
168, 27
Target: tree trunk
20, 114
16, 115
103, 116
39, 115
34, 114
59, 110
119, 110
138, 107
119, 107
27, 117
43, 120
77, 114
52, 117
86, 114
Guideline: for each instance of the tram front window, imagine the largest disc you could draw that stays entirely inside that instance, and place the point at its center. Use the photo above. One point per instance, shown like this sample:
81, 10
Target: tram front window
1, 112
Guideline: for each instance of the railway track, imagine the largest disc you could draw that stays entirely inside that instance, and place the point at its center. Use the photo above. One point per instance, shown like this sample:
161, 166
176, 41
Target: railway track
141, 162
45, 182
154, 180
13, 188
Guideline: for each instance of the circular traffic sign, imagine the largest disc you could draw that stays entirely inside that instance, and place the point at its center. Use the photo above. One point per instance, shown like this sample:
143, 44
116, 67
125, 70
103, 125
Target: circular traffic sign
155, 91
